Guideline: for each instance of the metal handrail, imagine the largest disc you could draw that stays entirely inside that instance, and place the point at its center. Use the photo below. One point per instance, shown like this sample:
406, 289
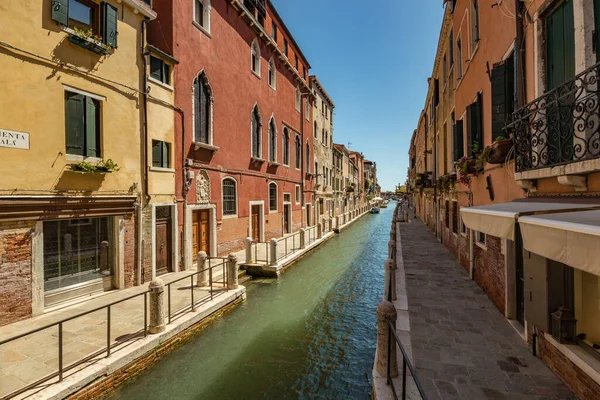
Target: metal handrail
405, 362
267, 247
288, 251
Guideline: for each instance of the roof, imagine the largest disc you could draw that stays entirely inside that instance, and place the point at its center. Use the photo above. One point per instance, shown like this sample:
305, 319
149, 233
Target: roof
315, 80
341, 147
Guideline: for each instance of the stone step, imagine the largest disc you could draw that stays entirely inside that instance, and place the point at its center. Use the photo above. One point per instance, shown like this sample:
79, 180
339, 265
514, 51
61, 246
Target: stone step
243, 277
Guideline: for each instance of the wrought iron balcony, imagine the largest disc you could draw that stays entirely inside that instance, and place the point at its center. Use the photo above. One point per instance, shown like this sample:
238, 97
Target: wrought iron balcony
560, 127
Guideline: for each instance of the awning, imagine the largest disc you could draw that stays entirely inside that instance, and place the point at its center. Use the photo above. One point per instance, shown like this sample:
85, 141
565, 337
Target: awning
499, 219
571, 238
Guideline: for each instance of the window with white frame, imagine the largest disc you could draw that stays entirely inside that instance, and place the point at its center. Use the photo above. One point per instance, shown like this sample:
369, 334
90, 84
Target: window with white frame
272, 196
255, 57
297, 194
203, 102
229, 197
298, 152
459, 57
307, 110
202, 14
298, 99
256, 136
272, 74
308, 158
480, 237
286, 147
474, 25
272, 141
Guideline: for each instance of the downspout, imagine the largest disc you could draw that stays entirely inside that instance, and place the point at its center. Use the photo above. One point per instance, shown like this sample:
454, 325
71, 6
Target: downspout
302, 158
435, 161
184, 191
145, 197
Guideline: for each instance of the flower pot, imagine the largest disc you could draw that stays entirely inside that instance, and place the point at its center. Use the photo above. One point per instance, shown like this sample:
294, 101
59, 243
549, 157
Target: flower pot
499, 151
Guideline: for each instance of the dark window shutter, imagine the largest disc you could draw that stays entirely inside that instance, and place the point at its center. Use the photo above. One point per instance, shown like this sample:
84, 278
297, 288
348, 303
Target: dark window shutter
197, 117
499, 83
109, 24
470, 129
436, 92
156, 153
75, 123
165, 155
451, 47
478, 111
459, 140
91, 128
203, 114
156, 66
60, 11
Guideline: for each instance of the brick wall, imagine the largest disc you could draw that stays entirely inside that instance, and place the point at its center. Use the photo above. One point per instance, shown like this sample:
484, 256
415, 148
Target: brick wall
489, 271
573, 376
15, 271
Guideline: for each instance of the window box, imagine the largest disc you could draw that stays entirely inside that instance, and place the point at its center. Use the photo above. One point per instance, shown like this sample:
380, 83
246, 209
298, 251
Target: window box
206, 146
257, 160
499, 151
102, 167
274, 164
89, 43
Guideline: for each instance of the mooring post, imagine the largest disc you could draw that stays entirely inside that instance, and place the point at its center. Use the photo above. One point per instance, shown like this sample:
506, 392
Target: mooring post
202, 278
249, 256
302, 238
386, 354
390, 272
157, 306
232, 272
330, 224
392, 249
273, 256
320, 230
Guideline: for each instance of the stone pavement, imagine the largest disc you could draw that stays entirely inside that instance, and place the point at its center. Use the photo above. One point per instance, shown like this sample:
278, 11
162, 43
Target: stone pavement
462, 346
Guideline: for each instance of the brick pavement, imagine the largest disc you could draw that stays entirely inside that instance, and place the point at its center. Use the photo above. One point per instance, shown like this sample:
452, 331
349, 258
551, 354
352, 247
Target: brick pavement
462, 346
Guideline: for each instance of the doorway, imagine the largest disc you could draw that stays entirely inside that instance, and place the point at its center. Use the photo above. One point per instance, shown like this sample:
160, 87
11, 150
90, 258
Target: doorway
163, 249
287, 213
308, 214
255, 223
201, 232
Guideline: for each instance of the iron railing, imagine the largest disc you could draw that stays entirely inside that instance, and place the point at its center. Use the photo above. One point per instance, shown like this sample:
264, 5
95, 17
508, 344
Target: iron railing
560, 127
256, 246
61, 368
288, 248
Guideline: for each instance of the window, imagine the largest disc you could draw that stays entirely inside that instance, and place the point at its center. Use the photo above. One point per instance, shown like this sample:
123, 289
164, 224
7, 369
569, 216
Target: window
298, 99
447, 215
474, 127
83, 15
82, 116
285, 47
323, 135
255, 57
87, 15
298, 152
474, 25
451, 48
307, 110
480, 238
316, 129
444, 70
202, 110
308, 159
455, 217
274, 32
304, 72
463, 227
256, 136
287, 198
272, 74
286, 147
459, 58
161, 154
272, 196
159, 70
503, 83
229, 197
272, 141
297, 194
458, 140
202, 14
326, 112
326, 142
296, 61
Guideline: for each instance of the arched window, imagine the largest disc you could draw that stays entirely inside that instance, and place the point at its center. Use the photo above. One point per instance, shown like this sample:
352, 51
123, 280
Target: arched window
272, 196
255, 57
202, 109
316, 129
202, 14
326, 141
256, 136
308, 158
286, 147
272, 141
272, 74
229, 197
323, 135
298, 99
298, 152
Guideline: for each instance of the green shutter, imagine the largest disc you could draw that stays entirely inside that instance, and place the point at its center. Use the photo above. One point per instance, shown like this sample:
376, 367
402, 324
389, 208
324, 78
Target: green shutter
459, 140
560, 45
91, 128
165, 155
60, 11
597, 28
498, 100
75, 123
156, 153
478, 121
470, 129
109, 24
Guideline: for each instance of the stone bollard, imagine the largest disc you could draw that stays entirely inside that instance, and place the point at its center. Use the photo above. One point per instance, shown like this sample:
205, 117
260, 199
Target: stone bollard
203, 276
302, 238
157, 306
249, 256
319, 230
390, 273
386, 312
330, 224
232, 272
273, 255
392, 249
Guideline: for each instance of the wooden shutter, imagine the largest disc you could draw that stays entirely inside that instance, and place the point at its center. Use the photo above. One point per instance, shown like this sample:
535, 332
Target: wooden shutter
498, 100
560, 45
156, 153
457, 141
478, 120
109, 24
197, 117
92, 146
474, 125
165, 155
75, 123
597, 28
60, 11
470, 130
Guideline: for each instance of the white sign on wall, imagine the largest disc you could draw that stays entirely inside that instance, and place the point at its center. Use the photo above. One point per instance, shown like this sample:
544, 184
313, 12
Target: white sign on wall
14, 140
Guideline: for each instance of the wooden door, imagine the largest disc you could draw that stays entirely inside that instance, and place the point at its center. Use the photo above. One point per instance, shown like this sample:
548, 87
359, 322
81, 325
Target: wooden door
256, 223
163, 247
286, 218
201, 232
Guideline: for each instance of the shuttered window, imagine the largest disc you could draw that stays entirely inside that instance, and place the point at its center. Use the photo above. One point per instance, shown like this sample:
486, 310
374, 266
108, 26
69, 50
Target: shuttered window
286, 147
229, 197
560, 45
160, 154
202, 110
272, 196
272, 142
455, 217
458, 141
503, 83
109, 24
88, 16
298, 153
308, 159
82, 116
256, 142
447, 216
474, 126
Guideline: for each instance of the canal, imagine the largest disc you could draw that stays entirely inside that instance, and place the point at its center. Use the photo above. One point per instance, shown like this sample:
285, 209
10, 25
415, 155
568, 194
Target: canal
310, 334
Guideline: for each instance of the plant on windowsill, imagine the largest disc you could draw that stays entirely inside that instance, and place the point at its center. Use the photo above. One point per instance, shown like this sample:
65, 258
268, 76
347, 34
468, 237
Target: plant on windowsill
88, 40
102, 167
500, 150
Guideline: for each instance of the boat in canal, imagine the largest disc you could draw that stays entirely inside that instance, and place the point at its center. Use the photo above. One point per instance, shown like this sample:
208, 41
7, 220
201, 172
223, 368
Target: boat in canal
374, 210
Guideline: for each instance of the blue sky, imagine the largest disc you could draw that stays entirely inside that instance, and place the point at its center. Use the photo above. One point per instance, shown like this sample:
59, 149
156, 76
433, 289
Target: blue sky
373, 58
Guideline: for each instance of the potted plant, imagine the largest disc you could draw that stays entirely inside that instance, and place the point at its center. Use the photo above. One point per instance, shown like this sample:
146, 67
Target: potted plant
499, 151
102, 166
89, 40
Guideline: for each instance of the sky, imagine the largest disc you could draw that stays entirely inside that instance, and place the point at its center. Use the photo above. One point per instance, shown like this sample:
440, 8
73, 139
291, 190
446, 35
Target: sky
373, 58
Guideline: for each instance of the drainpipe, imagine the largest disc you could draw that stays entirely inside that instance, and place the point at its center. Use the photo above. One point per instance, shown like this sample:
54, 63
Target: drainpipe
145, 197
184, 191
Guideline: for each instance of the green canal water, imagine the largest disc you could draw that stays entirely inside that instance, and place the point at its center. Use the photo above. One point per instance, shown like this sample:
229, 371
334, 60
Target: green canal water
308, 335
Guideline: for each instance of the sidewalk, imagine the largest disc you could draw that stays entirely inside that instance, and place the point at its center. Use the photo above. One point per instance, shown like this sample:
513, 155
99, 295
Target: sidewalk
462, 346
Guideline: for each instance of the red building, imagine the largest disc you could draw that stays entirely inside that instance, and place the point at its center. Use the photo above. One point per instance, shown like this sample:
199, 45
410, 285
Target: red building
243, 151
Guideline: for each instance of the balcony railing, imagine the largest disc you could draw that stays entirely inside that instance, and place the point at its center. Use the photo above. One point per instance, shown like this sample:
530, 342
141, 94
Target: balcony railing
560, 127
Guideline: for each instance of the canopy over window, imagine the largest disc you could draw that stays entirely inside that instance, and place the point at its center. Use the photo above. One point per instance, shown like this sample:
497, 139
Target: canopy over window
499, 219
571, 238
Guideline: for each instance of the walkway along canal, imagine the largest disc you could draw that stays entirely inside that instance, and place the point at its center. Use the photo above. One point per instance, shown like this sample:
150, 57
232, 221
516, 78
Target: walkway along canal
310, 334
